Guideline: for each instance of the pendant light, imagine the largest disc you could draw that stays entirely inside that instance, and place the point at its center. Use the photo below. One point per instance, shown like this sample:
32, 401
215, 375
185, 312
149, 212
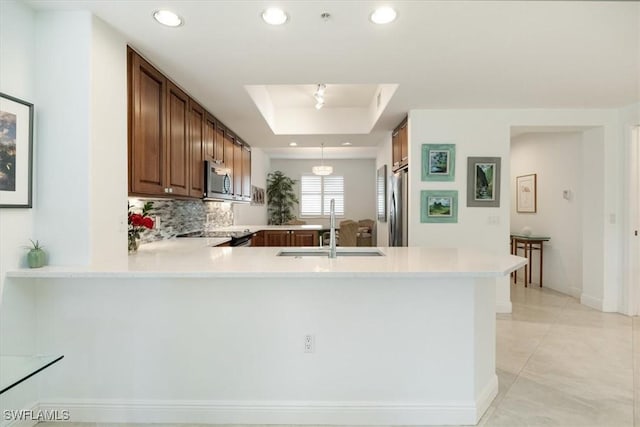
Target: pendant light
322, 169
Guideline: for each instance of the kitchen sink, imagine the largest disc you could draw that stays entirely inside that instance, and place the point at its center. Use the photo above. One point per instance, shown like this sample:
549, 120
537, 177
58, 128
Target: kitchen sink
340, 252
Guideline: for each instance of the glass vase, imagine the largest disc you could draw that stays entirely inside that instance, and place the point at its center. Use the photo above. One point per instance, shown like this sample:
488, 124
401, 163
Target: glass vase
133, 244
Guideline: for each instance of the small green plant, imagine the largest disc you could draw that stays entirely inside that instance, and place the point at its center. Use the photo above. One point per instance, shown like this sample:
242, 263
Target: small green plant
35, 245
36, 257
280, 198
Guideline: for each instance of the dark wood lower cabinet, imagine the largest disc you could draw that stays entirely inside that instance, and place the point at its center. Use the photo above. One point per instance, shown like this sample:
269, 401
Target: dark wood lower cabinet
285, 238
304, 238
276, 238
257, 239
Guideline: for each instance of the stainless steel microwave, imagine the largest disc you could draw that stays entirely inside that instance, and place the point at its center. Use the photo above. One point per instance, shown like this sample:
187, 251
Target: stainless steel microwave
217, 181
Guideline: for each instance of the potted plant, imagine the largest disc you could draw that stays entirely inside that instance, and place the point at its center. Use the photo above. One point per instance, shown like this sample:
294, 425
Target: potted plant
36, 257
280, 198
137, 223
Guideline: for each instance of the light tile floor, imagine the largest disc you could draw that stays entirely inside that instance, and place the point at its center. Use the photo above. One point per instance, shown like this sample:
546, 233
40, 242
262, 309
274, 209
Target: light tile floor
559, 363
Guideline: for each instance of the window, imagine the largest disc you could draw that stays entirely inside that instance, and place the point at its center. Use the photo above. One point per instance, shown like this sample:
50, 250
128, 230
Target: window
316, 193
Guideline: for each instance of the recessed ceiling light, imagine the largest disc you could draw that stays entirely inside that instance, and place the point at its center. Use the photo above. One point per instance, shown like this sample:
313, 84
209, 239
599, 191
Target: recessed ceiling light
274, 16
168, 18
347, 143
383, 15
293, 144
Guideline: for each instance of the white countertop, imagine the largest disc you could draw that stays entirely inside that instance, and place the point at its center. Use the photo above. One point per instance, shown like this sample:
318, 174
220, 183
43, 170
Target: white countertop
196, 258
256, 228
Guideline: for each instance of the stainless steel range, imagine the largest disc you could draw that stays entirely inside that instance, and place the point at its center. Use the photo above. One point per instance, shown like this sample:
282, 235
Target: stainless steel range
238, 238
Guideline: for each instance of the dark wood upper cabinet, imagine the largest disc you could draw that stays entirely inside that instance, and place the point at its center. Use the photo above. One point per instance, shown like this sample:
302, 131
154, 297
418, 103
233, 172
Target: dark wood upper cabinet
404, 143
209, 145
237, 169
218, 150
246, 173
170, 137
197, 117
400, 146
229, 145
147, 149
178, 140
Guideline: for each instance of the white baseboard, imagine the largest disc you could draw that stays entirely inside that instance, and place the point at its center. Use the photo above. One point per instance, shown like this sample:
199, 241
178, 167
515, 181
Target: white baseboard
277, 412
486, 396
590, 301
575, 292
504, 307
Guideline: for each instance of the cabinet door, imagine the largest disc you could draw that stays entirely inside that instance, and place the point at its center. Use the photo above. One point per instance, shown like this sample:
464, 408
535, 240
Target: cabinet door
237, 169
228, 158
276, 238
178, 141
304, 238
257, 239
209, 137
404, 143
246, 173
197, 117
396, 155
218, 149
147, 149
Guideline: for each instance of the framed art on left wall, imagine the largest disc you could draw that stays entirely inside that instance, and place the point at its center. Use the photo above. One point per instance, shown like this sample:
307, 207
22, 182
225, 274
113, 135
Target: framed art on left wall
16, 152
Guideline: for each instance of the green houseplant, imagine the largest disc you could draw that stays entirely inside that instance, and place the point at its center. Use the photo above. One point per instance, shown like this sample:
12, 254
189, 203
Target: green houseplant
280, 198
36, 257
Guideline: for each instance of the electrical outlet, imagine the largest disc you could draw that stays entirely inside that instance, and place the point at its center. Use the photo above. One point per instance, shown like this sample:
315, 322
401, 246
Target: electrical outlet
309, 344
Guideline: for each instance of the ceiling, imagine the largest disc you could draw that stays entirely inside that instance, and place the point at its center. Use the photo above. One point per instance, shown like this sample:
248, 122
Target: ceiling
441, 54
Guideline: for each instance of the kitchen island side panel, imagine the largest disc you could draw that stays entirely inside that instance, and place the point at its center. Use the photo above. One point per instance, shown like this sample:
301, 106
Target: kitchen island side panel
148, 349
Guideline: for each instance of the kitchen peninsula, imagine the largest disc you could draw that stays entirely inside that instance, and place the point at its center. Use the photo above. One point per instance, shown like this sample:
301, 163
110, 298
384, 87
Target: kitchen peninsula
199, 334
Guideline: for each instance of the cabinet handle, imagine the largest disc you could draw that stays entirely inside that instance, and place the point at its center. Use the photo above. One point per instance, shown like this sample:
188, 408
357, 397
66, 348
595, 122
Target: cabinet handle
166, 190
405, 158
170, 190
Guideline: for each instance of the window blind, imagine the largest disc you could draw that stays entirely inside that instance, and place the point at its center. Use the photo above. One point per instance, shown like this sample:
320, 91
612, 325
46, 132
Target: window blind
316, 193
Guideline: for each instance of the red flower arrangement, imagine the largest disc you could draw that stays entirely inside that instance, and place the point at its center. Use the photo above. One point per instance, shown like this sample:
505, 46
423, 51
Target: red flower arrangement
137, 223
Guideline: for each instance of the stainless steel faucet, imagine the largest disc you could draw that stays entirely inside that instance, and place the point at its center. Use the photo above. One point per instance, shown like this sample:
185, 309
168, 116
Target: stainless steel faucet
332, 233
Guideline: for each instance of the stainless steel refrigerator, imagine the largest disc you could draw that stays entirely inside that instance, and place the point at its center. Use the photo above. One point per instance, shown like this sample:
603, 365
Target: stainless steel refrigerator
398, 207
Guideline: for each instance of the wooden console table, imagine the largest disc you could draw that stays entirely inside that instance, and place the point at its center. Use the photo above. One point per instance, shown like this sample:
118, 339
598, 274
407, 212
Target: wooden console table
529, 244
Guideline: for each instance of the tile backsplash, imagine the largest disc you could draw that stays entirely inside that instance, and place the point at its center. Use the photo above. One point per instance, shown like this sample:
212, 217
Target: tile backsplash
181, 216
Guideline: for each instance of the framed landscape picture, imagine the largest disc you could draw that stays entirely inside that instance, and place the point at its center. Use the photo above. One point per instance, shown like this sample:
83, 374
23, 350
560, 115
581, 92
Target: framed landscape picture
438, 162
526, 198
439, 206
16, 140
483, 182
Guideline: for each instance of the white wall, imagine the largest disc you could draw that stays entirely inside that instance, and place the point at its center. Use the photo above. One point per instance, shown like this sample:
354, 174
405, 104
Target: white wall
359, 182
384, 157
63, 99
17, 304
630, 295
556, 159
486, 132
246, 214
108, 190
17, 42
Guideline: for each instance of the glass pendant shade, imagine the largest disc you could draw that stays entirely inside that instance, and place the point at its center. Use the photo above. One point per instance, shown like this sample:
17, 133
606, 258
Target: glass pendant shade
322, 169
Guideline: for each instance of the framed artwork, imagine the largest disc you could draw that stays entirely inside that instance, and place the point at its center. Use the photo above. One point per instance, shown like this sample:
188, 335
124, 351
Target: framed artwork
483, 182
526, 199
257, 196
438, 162
439, 206
16, 145
381, 193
